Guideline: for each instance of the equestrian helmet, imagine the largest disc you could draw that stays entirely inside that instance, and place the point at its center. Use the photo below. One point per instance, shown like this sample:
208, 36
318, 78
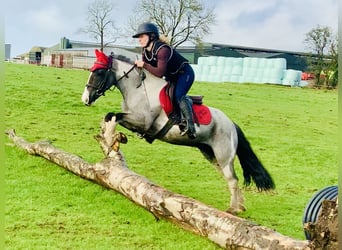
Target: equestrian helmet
147, 28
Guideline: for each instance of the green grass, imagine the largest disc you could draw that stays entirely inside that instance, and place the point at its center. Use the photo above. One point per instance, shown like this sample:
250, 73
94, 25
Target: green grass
292, 130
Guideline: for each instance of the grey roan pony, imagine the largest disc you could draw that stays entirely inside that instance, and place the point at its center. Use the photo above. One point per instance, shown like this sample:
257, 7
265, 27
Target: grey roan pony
219, 141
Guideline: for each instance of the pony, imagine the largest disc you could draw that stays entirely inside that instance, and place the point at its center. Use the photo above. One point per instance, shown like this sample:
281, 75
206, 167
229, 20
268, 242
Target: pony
145, 111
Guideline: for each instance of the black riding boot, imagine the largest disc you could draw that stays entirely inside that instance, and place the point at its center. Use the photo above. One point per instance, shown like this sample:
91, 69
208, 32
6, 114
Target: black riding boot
185, 105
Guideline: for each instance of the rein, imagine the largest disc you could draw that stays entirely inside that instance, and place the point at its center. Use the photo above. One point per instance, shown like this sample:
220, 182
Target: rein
125, 74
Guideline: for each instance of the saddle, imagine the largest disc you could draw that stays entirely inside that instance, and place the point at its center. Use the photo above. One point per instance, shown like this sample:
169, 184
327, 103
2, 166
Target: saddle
201, 113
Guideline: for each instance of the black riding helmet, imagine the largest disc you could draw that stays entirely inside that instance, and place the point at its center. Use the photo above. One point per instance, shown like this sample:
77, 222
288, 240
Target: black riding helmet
147, 28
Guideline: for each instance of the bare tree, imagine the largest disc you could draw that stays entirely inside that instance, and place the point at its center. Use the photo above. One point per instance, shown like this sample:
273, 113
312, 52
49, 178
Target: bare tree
178, 20
100, 26
323, 46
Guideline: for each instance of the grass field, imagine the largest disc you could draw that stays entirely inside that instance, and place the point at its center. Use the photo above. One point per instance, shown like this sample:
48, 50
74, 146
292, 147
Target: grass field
292, 130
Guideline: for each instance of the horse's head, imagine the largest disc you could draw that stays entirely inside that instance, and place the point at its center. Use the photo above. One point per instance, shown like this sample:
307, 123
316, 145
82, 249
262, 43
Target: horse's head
102, 77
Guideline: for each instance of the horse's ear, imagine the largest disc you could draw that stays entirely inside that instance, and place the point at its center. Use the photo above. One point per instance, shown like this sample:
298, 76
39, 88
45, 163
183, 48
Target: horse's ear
97, 52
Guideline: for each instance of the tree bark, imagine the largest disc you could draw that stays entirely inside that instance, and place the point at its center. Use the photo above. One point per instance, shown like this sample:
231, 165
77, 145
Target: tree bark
226, 230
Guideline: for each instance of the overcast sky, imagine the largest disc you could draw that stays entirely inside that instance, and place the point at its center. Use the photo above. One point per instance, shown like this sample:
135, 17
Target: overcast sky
272, 24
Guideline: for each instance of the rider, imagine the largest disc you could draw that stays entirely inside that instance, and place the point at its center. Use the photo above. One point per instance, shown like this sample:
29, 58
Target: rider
162, 60
110, 60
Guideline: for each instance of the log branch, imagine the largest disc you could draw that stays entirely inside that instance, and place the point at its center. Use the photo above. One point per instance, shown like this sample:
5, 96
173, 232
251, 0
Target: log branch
226, 230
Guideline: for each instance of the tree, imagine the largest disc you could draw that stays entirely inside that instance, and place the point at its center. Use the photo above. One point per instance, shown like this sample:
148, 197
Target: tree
333, 66
100, 26
323, 45
178, 20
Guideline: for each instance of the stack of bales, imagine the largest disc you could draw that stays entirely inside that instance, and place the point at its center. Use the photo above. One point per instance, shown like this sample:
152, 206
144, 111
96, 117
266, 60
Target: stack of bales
262, 70
247, 69
292, 77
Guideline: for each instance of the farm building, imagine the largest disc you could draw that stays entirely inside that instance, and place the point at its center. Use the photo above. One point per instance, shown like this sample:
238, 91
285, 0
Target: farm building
295, 60
35, 55
75, 54
229, 60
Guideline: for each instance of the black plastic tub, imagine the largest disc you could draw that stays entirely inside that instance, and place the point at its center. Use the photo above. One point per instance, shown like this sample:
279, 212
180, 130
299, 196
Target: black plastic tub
313, 207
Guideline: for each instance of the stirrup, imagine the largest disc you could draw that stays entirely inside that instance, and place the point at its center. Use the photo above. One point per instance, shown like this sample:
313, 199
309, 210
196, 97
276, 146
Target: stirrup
183, 127
191, 135
184, 132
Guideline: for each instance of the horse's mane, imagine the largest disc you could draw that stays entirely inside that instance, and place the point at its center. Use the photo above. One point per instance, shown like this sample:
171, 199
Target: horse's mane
128, 60
123, 59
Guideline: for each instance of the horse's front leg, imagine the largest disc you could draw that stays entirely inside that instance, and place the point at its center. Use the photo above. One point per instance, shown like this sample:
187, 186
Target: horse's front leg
108, 127
139, 120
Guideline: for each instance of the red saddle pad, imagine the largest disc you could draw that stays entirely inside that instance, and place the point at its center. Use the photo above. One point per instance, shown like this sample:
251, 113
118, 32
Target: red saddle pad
201, 112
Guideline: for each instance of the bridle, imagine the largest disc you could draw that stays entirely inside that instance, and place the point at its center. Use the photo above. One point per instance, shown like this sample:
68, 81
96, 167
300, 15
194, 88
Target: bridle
103, 86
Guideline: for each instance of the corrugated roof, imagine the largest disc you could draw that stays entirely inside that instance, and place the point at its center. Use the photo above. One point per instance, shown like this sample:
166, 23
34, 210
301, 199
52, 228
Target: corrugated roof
37, 49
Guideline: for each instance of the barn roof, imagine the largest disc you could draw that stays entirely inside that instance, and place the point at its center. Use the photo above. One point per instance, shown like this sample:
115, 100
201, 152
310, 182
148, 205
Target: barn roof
37, 49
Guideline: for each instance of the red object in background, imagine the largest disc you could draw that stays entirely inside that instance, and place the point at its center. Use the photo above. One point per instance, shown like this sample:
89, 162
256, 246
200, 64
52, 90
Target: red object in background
307, 76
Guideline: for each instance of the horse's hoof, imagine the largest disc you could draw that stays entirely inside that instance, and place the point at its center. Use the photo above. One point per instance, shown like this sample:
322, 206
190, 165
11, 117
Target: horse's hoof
235, 211
232, 211
109, 116
242, 208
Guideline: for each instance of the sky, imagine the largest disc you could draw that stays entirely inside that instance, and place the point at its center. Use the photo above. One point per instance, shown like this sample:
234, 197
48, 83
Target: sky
271, 24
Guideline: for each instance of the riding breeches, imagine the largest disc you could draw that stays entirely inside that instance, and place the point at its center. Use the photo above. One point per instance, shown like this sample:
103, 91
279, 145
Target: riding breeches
184, 82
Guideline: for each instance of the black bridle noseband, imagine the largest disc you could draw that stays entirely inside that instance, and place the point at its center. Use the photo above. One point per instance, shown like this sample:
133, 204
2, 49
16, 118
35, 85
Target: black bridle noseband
104, 85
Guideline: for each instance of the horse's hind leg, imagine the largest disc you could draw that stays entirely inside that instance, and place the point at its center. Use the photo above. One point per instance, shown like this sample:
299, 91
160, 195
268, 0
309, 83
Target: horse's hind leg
236, 199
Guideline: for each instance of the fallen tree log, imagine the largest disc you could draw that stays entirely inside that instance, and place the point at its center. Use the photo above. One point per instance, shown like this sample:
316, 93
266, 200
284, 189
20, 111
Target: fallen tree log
226, 230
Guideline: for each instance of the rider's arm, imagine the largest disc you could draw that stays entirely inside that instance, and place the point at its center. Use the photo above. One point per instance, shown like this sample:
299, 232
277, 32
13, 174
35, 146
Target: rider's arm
162, 59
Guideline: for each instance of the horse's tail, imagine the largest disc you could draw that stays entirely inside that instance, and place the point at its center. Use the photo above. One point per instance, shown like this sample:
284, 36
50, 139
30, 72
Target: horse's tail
251, 165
